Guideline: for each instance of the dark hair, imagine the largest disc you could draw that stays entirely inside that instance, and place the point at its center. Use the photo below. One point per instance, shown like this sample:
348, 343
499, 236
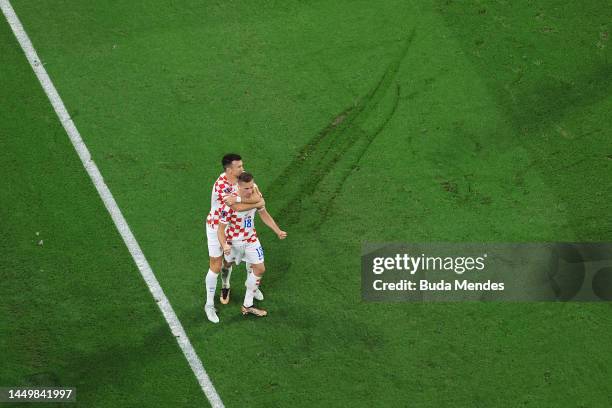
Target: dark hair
227, 160
245, 177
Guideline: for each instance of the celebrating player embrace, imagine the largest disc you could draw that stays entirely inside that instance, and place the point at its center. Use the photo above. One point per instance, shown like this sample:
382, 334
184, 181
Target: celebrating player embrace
223, 192
239, 241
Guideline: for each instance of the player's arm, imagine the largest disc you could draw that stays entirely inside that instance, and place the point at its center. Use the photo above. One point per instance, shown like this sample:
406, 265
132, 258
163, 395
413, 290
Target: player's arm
247, 205
221, 236
223, 221
239, 204
269, 221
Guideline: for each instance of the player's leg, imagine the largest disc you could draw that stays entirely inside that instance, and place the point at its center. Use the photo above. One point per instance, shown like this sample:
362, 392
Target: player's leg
234, 258
252, 284
211, 286
226, 273
216, 262
259, 294
253, 256
215, 255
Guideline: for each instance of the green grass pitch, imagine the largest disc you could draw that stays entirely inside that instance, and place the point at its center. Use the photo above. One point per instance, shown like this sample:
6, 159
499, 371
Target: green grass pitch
416, 121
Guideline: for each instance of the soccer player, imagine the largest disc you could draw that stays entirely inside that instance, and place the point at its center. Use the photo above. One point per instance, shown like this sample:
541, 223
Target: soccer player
239, 240
226, 185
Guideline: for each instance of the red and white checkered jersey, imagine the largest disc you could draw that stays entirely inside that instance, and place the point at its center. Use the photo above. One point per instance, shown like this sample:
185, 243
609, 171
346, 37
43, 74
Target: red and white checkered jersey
221, 188
240, 224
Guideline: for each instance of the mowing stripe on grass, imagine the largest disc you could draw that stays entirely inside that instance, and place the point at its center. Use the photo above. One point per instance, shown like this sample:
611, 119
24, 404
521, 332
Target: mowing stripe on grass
111, 205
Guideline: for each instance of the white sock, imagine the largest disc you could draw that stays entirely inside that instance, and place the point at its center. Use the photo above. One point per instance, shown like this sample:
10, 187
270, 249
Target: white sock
252, 283
226, 274
211, 287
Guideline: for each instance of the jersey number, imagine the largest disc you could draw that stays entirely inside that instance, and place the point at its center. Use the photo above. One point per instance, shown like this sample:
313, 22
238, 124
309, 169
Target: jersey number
259, 252
248, 222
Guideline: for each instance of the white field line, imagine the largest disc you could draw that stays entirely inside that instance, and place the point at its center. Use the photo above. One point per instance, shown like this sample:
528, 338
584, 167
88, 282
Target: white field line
111, 206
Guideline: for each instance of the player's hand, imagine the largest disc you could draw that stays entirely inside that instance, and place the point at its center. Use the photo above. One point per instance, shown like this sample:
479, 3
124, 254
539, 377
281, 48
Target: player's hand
227, 249
281, 234
229, 200
256, 191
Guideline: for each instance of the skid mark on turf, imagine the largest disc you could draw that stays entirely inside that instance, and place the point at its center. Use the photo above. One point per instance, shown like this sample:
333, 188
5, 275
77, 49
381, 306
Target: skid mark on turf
311, 182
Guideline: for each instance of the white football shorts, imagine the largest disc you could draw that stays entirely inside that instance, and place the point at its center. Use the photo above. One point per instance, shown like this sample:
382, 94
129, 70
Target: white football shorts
214, 247
249, 252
